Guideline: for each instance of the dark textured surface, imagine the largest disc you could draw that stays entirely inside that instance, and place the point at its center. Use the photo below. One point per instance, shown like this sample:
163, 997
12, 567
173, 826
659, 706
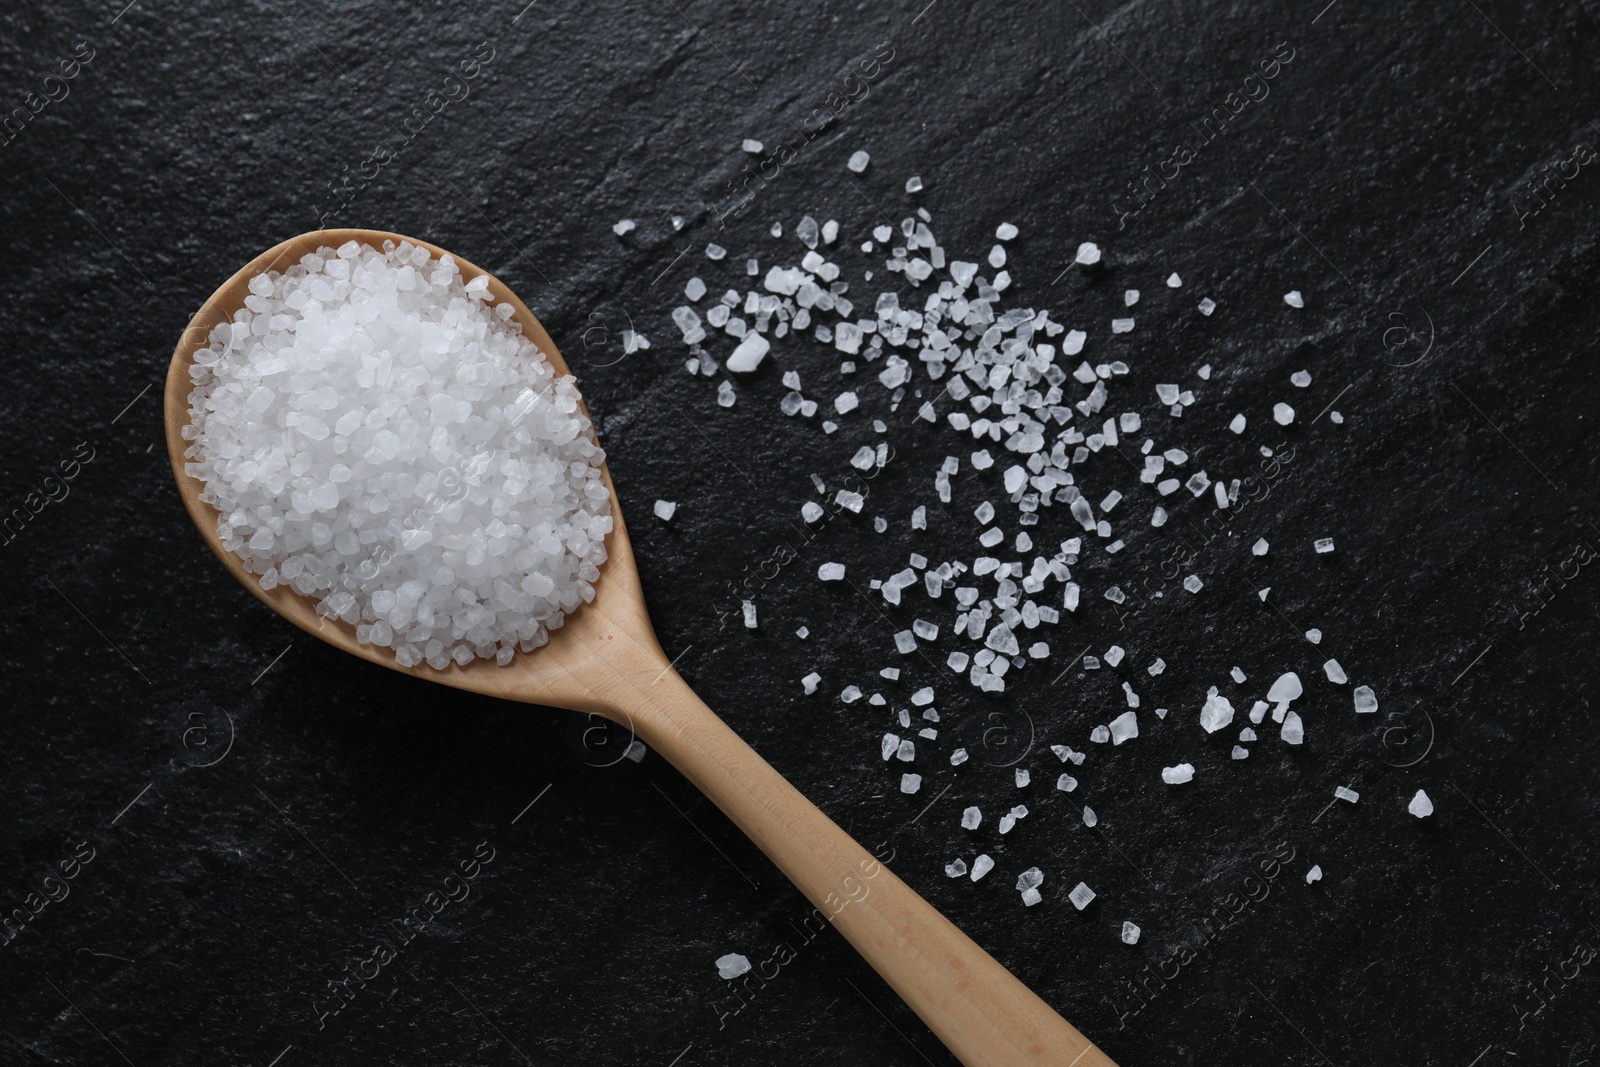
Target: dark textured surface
259, 809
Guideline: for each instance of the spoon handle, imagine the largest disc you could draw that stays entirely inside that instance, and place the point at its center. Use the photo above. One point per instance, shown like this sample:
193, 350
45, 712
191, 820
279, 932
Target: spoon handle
982, 1013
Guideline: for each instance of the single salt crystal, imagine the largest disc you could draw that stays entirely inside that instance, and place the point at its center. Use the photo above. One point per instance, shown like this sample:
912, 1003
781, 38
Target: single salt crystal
1121, 325
1114, 655
1193, 583
1178, 775
1167, 393
810, 682
1366, 700
1323, 545
1247, 734
910, 783
1300, 378
1240, 752
1258, 712
923, 697
732, 965
1314, 874
1005, 231
715, 251
1088, 254
1032, 878
622, 226
1124, 727
725, 395
1130, 933
803, 633
1237, 425
749, 607
1100, 735
1294, 299
846, 402
958, 757
1022, 777
1030, 897
1262, 593
1282, 414
664, 509
970, 818
695, 289
1066, 783
1335, 672
981, 866
850, 694
1080, 896
1314, 635
889, 746
1207, 306
858, 161
1173, 281
1420, 805
1336, 418
1260, 547
1286, 688
1349, 796
754, 147
914, 184
1130, 297
1216, 713
1157, 667
905, 642
1089, 817
811, 511
748, 354
956, 868
1293, 731
1237, 675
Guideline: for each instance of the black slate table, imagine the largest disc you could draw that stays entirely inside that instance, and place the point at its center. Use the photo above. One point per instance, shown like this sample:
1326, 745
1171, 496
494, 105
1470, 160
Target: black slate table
210, 819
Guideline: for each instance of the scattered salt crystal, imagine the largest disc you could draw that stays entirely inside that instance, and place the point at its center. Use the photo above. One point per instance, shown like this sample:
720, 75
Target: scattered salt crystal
1216, 713
715, 251
1300, 378
1336, 418
1247, 734
664, 509
1030, 897
695, 289
1130, 934
1089, 817
1420, 805
1088, 254
748, 354
910, 783
956, 868
1314, 874
1366, 700
905, 642
1240, 752
1293, 731
749, 608
1323, 545
1262, 593
1314, 635
1258, 711
1124, 727
1286, 688
1178, 775
622, 226
1121, 325
1080, 896
914, 184
1335, 672
811, 511
1022, 777
1282, 414
1114, 655
1237, 675
810, 682
1066, 783
1005, 231
732, 965
1207, 306
1350, 796
858, 161
1260, 547
725, 395
1100, 735
1294, 299
1193, 583
754, 147
1157, 667
1130, 297
970, 818
846, 402
803, 633
1032, 878
1173, 281
981, 866
958, 757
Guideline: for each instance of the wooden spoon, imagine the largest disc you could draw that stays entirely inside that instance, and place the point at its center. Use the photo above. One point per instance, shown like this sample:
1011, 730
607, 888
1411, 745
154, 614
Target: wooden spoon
606, 660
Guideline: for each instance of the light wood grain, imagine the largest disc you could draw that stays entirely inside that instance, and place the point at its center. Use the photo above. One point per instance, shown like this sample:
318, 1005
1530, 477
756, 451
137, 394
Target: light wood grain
606, 660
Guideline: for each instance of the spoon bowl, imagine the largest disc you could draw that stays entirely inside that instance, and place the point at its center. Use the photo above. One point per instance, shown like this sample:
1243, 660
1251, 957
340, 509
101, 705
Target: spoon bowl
605, 659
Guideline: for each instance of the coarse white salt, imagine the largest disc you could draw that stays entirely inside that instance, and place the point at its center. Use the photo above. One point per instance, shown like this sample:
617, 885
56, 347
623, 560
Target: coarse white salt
1130, 933
809, 682
1366, 700
1081, 896
620, 227
1089, 817
1286, 688
910, 783
1030, 897
1066, 783
665, 509
1124, 727
1282, 414
1173, 281
1314, 874
858, 161
732, 965
1300, 379
1237, 675
956, 868
379, 435
1294, 299
754, 147
1349, 796
1335, 672
1293, 731
1022, 777
1207, 306
1314, 635
831, 572
1217, 712
914, 184
970, 818
1088, 254
1178, 775
1323, 545
1420, 805
1238, 424
981, 866
1005, 231
1260, 547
